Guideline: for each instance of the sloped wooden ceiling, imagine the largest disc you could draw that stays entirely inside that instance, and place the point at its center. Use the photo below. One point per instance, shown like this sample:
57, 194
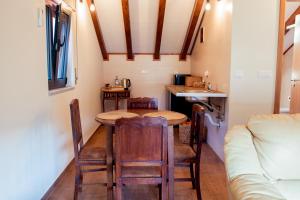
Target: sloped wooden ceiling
156, 27
159, 28
98, 32
191, 28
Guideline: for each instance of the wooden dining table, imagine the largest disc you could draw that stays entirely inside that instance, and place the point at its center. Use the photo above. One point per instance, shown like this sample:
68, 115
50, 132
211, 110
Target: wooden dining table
109, 119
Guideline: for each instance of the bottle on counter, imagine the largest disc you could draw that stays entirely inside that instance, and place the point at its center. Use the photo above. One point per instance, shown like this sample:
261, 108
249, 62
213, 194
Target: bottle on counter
117, 81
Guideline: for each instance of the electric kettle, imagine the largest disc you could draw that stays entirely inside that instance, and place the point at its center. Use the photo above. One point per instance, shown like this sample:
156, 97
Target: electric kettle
125, 83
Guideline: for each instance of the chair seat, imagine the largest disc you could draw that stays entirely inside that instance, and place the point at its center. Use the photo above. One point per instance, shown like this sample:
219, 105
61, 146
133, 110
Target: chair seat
141, 172
93, 154
183, 153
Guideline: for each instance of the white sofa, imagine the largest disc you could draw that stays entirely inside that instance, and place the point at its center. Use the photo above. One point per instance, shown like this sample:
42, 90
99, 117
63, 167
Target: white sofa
263, 158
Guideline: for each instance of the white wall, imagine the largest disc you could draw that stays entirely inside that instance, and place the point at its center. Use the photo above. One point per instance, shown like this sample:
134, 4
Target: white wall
240, 54
148, 77
214, 56
35, 129
253, 59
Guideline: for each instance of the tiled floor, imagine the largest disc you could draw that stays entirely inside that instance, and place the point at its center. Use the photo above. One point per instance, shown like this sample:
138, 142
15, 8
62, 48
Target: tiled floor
213, 181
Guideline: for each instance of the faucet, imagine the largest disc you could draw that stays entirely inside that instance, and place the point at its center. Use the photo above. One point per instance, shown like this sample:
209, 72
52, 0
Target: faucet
209, 87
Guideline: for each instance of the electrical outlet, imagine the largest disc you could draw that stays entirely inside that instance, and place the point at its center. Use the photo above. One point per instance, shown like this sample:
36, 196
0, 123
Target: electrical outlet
206, 73
265, 74
239, 74
144, 71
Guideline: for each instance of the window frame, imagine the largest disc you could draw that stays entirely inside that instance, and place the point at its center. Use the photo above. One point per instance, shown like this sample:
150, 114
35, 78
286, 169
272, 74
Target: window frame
54, 58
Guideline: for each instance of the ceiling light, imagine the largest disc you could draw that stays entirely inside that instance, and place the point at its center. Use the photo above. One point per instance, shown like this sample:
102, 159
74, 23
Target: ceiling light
92, 6
207, 6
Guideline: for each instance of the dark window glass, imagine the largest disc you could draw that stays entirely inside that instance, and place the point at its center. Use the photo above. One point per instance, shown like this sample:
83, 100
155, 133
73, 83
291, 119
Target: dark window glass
58, 31
50, 35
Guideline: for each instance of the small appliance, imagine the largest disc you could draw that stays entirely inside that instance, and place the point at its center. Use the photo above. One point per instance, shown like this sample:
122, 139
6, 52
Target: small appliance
125, 82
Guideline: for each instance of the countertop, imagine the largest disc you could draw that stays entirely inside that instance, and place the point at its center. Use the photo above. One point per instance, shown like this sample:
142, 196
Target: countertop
113, 89
183, 91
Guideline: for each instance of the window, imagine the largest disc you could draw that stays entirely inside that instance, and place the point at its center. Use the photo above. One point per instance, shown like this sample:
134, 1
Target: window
58, 24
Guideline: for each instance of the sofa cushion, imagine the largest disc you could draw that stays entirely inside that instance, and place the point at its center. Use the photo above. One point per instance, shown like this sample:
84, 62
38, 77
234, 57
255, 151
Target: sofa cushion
277, 142
240, 154
290, 189
253, 186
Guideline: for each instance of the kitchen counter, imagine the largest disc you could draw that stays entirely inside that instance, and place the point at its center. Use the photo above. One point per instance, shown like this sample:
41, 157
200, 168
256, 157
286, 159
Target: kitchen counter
183, 91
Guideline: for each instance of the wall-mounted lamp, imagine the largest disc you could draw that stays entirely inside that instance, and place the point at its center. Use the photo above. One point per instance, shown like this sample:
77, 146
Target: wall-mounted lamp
92, 6
208, 5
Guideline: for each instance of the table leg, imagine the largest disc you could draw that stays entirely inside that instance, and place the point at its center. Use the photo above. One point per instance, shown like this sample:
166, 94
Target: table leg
171, 162
109, 161
103, 105
116, 102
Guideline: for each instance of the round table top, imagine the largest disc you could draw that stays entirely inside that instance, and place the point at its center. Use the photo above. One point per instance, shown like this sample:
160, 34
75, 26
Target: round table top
173, 118
109, 118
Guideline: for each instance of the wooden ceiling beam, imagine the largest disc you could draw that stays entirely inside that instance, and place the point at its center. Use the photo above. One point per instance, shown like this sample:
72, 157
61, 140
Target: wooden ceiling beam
292, 19
192, 26
159, 29
126, 17
98, 31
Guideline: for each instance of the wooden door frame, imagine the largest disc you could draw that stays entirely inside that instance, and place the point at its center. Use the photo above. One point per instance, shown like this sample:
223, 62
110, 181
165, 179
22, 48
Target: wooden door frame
281, 33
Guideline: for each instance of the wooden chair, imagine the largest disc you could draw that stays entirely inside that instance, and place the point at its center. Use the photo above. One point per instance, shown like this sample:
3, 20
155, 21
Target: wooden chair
84, 156
141, 153
142, 103
189, 155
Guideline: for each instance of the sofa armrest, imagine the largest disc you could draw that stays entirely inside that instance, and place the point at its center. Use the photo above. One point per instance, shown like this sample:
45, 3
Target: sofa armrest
253, 186
240, 154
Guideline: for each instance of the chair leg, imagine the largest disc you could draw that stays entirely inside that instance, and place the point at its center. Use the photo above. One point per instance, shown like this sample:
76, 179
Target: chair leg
198, 189
80, 179
163, 190
159, 191
192, 175
119, 190
78, 182
75, 192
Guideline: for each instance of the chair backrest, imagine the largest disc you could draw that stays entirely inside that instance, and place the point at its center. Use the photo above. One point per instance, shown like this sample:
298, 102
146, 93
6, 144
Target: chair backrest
142, 103
76, 127
197, 128
141, 140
